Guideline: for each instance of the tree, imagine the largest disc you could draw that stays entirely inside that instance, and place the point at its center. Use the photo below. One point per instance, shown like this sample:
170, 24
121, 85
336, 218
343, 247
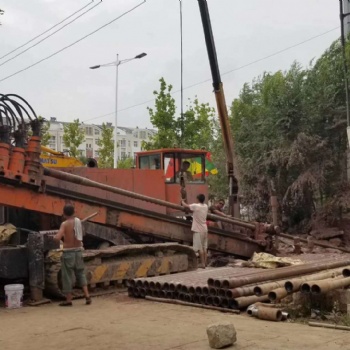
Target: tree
163, 118
106, 144
197, 122
126, 163
73, 137
290, 134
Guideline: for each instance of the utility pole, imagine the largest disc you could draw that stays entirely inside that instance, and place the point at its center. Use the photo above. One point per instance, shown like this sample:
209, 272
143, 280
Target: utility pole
346, 7
344, 15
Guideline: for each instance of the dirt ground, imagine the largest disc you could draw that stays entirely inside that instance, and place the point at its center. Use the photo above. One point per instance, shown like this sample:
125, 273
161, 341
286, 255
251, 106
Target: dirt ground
118, 322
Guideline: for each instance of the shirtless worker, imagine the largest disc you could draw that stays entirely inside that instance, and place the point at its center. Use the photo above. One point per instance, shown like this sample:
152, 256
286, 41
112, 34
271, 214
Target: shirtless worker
217, 209
72, 257
199, 227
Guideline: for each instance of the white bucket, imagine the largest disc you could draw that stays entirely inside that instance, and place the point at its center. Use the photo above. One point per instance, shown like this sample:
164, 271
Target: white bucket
13, 296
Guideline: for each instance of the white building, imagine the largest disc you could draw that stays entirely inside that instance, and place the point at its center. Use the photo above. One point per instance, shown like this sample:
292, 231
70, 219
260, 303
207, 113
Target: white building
129, 139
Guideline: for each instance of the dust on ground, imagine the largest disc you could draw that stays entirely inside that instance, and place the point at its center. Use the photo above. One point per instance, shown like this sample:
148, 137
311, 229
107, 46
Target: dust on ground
118, 322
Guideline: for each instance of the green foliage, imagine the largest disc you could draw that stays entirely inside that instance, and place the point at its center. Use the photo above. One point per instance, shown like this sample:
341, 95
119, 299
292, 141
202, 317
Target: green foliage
106, 144
290, 136
73, 137
126, 163
198, 122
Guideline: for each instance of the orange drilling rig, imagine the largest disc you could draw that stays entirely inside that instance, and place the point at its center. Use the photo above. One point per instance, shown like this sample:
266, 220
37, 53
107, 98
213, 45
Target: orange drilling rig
136, 210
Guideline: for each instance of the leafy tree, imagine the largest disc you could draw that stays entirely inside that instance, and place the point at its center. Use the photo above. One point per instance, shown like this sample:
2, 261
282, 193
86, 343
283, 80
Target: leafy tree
290, 134
106, 144
126, 163
163, 118
73, 137
197, 121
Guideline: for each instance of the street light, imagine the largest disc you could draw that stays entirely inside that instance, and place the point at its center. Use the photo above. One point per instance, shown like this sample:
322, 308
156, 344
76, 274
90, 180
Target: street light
117, 63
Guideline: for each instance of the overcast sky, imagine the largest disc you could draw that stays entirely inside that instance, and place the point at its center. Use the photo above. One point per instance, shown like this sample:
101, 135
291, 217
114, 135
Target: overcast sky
244, 31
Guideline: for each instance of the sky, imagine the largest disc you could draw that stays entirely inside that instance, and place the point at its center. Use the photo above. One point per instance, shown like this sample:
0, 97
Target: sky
64, 87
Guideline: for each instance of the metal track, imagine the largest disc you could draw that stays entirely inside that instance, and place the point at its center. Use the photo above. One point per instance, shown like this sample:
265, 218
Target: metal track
121, 263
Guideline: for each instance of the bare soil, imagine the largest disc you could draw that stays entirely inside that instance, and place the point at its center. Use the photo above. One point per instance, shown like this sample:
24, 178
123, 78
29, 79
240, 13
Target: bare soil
118, 322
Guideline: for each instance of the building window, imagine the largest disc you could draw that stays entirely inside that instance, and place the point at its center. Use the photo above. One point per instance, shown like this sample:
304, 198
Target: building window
122, 155
88, 146
135, 134
123, 143
128, 143
129, 154
97, 132
97, 141
136, 144
143, 135
96, 154
88, 131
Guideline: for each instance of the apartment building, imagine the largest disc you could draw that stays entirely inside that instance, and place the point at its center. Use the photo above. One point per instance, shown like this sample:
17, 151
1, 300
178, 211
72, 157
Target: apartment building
129, 139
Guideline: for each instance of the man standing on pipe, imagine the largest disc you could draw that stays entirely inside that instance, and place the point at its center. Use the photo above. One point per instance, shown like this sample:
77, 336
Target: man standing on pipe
199, 227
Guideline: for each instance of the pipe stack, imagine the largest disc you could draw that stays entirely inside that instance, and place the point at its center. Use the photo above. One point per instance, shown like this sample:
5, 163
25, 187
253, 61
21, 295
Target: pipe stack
238, 287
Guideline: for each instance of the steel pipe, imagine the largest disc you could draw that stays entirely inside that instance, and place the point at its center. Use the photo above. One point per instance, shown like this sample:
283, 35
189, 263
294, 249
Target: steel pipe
306, 287
323, 245
192, 304
283, 272
277, 294
328, 325
239, 292
294, 285
90, 183
265, 288
269, 313
240, 303
329, 284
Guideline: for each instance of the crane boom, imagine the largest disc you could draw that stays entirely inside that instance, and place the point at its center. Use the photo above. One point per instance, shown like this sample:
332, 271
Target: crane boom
222, 109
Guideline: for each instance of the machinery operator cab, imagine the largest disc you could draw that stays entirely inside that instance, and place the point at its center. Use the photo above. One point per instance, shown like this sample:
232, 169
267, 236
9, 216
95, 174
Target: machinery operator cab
175, 162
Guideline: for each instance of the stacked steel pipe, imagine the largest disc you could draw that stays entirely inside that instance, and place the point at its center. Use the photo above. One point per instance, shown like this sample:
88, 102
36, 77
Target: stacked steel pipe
237, 288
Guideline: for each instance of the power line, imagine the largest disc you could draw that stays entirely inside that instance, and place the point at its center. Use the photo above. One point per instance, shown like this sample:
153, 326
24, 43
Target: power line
38, 36
53, 33
225, 73
75, 42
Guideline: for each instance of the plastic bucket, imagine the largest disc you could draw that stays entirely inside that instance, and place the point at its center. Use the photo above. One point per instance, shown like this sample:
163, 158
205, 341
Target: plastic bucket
13, 296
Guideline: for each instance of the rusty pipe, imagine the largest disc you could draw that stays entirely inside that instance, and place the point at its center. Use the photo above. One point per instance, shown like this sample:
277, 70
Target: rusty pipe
283, 272
277, 294
323, 245
90, 183
265, 288
306, 286
268, 313
205, 291
225, 303
328, 325
195, 299
192, 304
240, 303
198, 290
202, 299
239, 292
294, 285
213, 291
209, 300
329, 284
